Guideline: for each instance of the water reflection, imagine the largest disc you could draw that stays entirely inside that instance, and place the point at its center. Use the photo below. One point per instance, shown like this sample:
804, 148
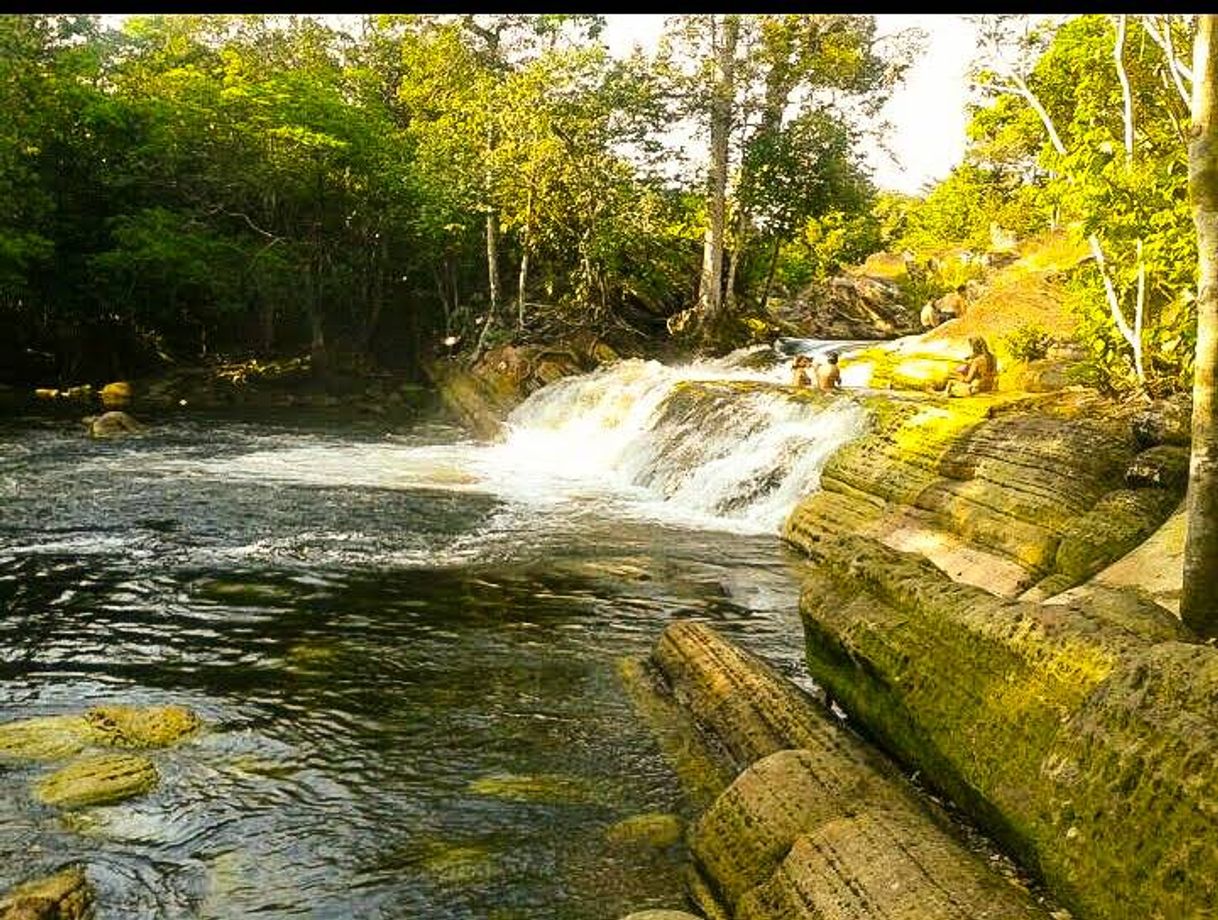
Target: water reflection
412, 693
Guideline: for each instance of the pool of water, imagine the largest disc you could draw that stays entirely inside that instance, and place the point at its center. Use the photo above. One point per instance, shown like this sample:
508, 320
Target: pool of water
406, 656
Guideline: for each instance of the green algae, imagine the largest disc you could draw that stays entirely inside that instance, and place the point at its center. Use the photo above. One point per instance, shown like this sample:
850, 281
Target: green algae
657, 830
97, 780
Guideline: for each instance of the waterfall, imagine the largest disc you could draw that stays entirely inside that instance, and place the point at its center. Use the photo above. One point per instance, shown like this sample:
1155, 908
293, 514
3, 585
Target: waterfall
711, 442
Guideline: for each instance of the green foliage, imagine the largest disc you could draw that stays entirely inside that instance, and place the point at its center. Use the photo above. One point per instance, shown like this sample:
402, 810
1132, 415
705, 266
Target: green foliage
1027, 342
1134, 202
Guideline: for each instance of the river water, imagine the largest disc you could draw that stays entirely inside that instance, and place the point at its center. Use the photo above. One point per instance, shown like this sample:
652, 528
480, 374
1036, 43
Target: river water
405, 643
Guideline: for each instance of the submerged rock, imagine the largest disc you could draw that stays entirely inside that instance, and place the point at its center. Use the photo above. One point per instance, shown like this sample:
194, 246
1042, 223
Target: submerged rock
97, 780
57, 737
549, 788
45, 738
111, 424
66, 895
655, 829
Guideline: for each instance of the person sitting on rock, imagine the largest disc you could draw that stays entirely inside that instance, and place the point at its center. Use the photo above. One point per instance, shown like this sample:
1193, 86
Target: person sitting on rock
930, 315
978, 375
799, 372
110, 424
828, 376
953, 305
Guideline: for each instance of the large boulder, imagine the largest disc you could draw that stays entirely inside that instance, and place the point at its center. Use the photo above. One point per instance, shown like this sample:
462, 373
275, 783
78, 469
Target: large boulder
817, 824
1083, 735
848, 306
1004, 491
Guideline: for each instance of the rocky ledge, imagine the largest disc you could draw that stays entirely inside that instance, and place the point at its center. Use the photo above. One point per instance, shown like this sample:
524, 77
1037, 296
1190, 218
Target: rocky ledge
1082, 735
817, 824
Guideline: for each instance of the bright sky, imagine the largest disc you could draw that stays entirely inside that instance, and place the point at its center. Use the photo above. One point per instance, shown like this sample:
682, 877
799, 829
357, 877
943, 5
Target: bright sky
927, 112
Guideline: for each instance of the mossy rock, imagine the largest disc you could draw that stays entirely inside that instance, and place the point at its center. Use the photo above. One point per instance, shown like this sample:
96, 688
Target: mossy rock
66, 895
97, 780
141, 726
44, 738
1085, 741
545, 788
58, 737
661, 915
653, 829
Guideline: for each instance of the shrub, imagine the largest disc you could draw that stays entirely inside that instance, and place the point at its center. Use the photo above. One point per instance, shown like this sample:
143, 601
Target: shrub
1027, 342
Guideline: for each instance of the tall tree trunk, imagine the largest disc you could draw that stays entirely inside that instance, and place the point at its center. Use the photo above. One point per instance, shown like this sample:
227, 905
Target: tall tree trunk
710, 294
769, 275
492, 274
376, 297
526, 244
1199, 597
739, 242
266, 315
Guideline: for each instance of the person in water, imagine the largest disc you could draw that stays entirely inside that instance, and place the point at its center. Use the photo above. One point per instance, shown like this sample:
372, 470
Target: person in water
799, 372
828, 377
978, 375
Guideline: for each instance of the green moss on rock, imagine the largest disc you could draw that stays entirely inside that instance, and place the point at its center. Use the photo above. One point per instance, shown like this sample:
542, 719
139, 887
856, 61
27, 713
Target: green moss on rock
141, 726
1086, 741
66, 895
97, 780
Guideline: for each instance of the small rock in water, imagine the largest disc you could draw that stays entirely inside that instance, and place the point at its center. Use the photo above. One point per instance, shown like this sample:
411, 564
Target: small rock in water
97, 780
654, 829
66, 895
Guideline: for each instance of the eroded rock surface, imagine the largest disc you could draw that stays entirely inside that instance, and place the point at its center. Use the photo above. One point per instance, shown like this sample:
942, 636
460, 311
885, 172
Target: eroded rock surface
1003, 492
817, 824
1082, 735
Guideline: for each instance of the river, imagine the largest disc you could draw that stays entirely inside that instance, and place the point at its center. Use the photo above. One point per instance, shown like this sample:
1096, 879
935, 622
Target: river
404, 642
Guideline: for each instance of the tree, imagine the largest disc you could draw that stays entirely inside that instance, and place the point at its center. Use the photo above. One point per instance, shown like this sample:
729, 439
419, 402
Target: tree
784, 102
1095, 103
1198, 597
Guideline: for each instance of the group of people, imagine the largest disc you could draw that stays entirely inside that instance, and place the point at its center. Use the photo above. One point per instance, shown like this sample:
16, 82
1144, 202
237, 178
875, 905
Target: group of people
979, 374
828, 377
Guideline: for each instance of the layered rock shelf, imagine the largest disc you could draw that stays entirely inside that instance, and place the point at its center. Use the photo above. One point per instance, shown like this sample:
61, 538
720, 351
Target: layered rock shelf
1082, 735
817, 824
1019, 493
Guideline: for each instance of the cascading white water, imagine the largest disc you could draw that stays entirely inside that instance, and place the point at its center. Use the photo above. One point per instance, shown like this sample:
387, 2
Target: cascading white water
629, 438
741, 462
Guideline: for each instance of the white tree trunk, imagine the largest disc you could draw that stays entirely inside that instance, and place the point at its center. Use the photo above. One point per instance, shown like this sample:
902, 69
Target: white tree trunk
1199, 596
710, 294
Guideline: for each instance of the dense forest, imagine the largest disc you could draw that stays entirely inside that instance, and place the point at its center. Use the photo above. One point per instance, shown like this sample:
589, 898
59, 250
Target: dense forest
193, 187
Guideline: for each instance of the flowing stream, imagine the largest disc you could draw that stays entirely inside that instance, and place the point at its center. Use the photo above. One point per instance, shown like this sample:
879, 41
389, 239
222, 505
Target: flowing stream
405, 643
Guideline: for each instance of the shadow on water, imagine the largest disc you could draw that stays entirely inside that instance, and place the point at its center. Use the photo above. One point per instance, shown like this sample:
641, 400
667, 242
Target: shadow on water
412, 701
